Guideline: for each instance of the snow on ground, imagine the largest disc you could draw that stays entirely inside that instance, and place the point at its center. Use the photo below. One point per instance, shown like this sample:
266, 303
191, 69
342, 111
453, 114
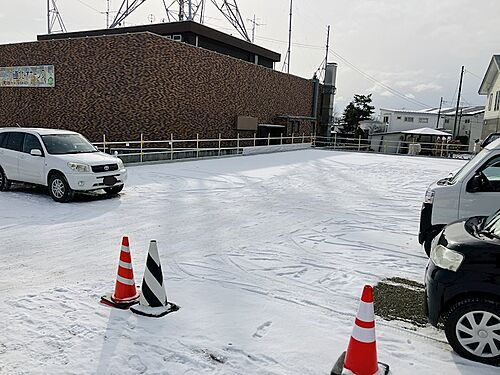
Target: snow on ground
266, 255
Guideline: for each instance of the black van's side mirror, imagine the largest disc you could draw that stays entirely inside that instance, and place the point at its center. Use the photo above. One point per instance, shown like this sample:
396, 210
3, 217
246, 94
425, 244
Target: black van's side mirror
476, 183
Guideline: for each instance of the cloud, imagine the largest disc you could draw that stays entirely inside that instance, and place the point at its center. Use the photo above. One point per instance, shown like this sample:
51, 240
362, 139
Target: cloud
431, 86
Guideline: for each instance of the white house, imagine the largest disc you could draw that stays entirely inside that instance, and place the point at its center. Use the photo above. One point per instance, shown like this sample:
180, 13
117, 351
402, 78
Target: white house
491, 88
469, 121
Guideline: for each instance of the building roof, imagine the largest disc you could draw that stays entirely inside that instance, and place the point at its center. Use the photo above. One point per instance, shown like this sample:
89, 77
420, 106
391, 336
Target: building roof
419, 131
490, 76
466, 111
426, 131
169, 28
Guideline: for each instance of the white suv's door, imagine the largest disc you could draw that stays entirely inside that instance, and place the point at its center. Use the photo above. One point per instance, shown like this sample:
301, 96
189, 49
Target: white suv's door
32, 168
486, 200
13, 146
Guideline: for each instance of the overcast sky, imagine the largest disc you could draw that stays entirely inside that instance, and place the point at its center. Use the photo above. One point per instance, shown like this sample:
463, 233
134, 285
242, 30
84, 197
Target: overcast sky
415, 47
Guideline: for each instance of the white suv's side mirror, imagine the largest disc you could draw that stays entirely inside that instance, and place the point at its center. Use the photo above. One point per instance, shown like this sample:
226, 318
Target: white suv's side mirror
36, 152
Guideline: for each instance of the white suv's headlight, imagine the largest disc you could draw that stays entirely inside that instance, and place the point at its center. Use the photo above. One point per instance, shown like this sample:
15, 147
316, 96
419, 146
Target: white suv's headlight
429, 196
445, 258
77, 167
120, 164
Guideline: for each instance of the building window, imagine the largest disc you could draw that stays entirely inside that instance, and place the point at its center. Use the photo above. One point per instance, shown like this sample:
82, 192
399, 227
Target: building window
399, 117
447, 121
423, 120
490, 102
386, 119
497, 101
467, 121
408, 119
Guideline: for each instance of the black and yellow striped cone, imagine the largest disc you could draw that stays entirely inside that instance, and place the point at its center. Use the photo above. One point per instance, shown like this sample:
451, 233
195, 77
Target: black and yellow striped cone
153, 300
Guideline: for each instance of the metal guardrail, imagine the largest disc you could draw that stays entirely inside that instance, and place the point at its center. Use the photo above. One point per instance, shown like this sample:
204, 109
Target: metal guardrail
443, 148
142, 150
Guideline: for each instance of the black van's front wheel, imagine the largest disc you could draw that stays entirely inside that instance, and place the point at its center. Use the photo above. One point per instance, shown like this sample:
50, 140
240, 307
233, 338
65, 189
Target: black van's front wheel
472, 328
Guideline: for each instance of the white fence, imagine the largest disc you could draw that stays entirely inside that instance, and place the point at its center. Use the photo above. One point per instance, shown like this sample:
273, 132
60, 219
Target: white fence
142, 150
442, 148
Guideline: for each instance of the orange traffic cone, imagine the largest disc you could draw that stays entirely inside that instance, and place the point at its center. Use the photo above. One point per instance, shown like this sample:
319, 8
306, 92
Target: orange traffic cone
361, 356
125, 294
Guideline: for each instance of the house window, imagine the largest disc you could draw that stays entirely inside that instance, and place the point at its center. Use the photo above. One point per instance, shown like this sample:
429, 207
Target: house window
447, 121
490, 102
408, 119
423, 120
386, 119
399, 117
497, 101
467, 121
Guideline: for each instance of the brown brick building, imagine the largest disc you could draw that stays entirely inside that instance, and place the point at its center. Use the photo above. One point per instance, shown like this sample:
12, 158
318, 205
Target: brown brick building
126, 84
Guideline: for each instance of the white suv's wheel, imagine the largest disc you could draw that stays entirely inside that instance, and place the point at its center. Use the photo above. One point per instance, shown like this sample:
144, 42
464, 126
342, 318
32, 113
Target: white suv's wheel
59, 188
473, 330
4, 182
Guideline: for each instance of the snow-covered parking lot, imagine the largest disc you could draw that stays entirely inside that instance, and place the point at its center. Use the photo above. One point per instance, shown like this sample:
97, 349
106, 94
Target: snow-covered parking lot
265, 254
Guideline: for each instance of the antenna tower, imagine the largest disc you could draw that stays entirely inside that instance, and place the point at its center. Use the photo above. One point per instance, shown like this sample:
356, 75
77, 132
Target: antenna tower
53, 18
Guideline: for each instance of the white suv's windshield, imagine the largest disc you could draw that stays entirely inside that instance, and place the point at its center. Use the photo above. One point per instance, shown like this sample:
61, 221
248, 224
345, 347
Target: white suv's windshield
59, 144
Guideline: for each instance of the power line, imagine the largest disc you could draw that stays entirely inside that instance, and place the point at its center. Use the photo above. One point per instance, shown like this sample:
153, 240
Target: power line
89, 6
383, 85
473, 74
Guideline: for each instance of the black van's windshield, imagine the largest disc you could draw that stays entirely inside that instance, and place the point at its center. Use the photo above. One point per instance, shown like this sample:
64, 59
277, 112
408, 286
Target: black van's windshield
60, 144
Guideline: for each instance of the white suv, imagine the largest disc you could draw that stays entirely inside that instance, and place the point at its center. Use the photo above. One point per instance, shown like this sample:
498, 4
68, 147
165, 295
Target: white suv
62, 160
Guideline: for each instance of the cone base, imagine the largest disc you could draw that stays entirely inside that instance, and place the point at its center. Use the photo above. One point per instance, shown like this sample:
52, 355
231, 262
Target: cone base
155, 312
338, 369
108, 299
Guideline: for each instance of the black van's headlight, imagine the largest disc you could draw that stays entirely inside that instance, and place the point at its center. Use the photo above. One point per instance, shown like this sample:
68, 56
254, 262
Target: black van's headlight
445, 258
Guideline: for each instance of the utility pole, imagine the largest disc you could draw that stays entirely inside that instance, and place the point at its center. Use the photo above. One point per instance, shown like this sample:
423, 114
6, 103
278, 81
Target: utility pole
439, 113
289, 38
327, 46
458, 99
254, 26
107, 16
48, 17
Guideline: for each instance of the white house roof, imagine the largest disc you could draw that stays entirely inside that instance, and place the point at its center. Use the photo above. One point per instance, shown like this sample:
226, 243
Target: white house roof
466, 111
426, 131
490, 76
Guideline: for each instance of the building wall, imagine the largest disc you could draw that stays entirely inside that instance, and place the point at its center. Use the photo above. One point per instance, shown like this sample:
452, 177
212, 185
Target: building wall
396, 120
492, 116
470, 126
125, 85
490, 112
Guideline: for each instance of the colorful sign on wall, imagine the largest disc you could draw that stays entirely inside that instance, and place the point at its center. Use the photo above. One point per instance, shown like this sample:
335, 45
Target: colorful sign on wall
27, 76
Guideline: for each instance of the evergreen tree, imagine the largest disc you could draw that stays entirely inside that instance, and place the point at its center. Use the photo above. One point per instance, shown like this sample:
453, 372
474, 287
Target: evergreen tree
359, 109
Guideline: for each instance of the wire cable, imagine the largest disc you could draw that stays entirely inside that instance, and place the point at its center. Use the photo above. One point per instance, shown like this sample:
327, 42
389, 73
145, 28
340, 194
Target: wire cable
89, 6
383, 85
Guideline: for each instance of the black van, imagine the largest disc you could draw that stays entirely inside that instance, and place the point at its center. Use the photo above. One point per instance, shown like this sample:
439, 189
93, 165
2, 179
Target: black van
463, 287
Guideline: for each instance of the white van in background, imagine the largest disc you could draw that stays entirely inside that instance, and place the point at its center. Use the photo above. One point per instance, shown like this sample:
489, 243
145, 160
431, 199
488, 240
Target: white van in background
473, 191
64, 161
